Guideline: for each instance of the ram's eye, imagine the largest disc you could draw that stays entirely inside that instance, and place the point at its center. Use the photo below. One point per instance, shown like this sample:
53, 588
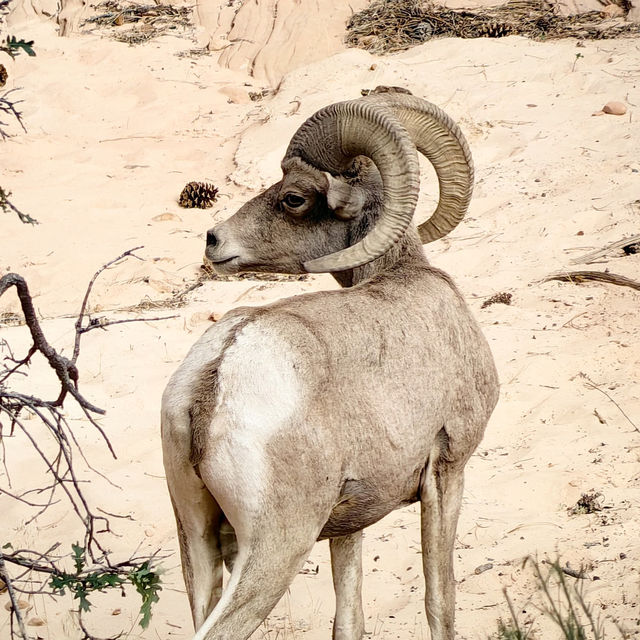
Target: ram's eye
293, 201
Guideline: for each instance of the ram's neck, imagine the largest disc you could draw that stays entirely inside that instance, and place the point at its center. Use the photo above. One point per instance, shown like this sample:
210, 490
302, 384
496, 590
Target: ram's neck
406, 254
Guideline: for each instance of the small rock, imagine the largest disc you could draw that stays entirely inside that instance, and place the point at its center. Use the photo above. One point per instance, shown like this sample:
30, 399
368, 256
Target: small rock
199, 317
373, 67
615, 108
164, 217
218, 44
613, 11
116, 612
148, 532
215, 316
482, 568
236, 95
36, 622
23, 605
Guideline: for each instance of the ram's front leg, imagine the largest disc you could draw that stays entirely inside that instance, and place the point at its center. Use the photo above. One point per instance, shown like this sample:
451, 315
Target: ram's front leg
346, 565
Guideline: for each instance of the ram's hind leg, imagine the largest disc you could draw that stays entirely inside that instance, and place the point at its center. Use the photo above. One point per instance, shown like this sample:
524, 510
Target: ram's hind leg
266, 563
346, 565
441, 496
198, 519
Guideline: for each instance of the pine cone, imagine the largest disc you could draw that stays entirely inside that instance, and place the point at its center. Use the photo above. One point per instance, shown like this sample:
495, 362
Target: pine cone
495, 30
198, 195
3, 75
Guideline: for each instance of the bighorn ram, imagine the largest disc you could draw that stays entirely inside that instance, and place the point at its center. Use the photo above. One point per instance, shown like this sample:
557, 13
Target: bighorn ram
315, 416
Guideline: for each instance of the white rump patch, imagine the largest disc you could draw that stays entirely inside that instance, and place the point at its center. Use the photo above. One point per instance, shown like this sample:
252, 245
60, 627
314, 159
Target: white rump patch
259, 394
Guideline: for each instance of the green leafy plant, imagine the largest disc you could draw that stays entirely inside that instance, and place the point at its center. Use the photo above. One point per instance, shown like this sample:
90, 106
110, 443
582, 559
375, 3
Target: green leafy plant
89, 568
147, 584
84, 582
12, 46
578, 56
6, 205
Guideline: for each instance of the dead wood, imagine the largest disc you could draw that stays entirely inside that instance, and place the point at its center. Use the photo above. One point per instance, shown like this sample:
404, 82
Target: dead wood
599, 253
578, 277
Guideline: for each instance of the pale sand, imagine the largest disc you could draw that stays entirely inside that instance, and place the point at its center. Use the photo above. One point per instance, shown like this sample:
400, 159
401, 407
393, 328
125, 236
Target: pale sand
114, 133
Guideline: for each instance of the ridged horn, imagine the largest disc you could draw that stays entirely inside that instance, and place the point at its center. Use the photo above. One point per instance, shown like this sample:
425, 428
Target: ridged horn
329, 141
440, 140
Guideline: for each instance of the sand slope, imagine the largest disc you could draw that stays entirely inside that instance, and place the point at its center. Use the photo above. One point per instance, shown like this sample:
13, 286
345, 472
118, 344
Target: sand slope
114, 132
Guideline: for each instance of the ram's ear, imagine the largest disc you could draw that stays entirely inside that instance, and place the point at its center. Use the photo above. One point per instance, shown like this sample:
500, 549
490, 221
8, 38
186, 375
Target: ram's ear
345, 200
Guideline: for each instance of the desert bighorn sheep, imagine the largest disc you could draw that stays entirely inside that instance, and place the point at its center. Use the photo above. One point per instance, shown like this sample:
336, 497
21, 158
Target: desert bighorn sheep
315, 416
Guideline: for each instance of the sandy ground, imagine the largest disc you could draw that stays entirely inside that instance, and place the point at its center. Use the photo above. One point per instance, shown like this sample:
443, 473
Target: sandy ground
114, 133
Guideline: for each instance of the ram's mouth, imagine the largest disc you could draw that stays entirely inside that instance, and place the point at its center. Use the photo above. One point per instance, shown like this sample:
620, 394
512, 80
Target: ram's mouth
222, 266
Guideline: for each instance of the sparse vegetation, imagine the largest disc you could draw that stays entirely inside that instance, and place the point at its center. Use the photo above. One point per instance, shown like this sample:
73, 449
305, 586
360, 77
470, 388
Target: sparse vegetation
563, 603
136, 23
498, 298
385, 27
44, 426
12, 46
590, 502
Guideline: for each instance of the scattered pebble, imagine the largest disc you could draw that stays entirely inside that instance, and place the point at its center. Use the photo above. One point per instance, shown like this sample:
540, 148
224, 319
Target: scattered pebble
235, 95
613, 11
613, 108
482, 568
164, 217
23, 605
199, 317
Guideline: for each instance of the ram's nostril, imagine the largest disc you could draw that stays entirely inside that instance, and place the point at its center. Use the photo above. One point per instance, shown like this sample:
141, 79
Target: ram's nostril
212, 239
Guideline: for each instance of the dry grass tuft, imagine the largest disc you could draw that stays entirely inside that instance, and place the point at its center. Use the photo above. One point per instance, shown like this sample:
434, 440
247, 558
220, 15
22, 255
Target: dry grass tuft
135, 23
385, 27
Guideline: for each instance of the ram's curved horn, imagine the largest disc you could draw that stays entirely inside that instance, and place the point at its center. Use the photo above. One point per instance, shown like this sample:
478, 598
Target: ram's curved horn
331, 138
440, 140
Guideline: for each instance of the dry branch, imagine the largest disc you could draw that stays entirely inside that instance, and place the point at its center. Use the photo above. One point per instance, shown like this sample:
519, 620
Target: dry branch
592, 385
578, 277
96, 571
12, 597
599, 253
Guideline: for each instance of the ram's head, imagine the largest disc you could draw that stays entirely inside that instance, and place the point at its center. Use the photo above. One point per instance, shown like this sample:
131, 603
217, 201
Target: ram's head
349, 189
